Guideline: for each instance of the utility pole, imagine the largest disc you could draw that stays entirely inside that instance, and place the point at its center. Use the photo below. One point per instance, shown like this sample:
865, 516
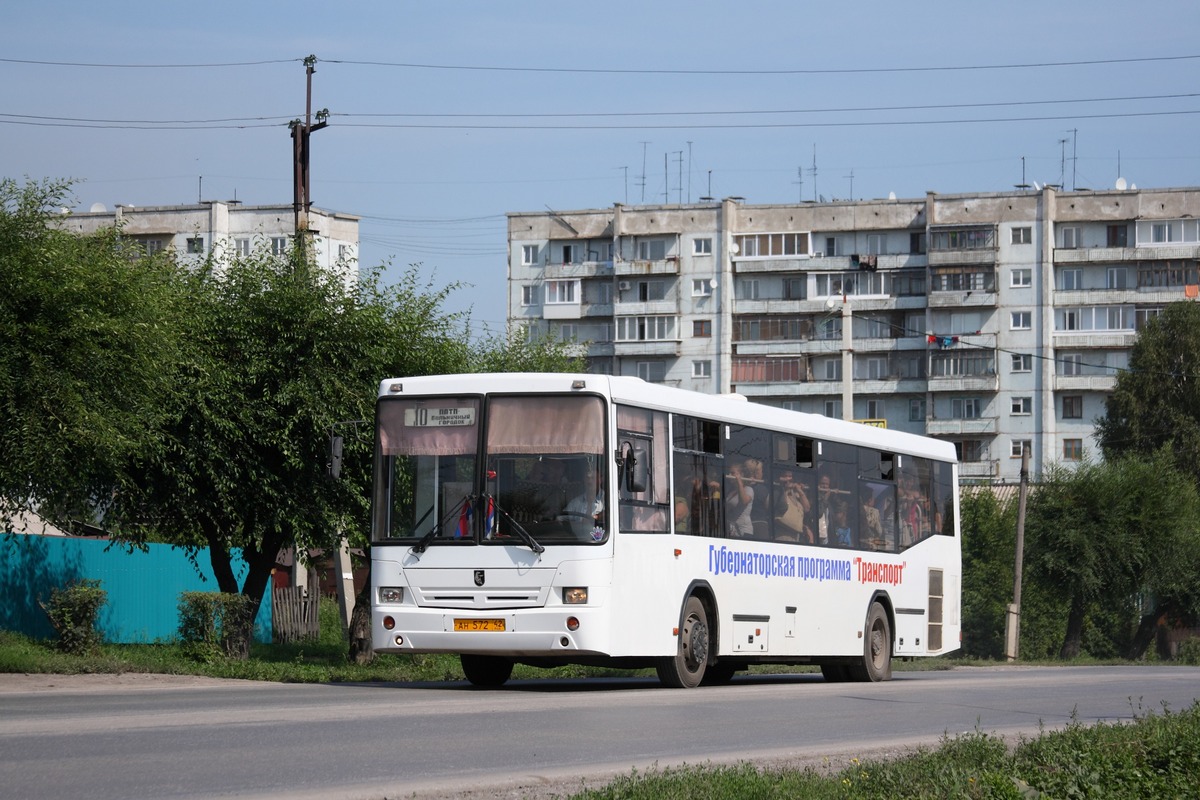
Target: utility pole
301, 131
1012, 626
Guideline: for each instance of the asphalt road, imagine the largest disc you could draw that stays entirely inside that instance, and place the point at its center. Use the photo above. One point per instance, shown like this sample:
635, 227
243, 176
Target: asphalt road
147, 736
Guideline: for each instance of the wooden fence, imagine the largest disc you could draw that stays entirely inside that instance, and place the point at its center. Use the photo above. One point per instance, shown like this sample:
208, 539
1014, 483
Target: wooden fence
294, 614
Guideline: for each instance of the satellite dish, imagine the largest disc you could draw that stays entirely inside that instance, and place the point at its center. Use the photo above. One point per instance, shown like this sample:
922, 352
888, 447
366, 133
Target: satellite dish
1121, 185
1036, 188
1133, 187
712, 283
891, 195
734, 249
831, 303
97, 208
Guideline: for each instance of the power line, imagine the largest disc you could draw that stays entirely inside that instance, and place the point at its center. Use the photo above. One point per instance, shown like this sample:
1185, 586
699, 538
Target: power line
148, 66
826, 71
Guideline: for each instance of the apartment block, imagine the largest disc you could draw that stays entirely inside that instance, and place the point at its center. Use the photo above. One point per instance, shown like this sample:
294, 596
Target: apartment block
196, 231
996, 321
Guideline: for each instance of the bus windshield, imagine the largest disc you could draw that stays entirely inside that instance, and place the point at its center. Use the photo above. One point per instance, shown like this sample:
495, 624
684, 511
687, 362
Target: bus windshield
506, 470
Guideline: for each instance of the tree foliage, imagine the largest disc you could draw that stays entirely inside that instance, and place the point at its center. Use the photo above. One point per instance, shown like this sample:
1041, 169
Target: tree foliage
1156, 402
1110, 536
87, 353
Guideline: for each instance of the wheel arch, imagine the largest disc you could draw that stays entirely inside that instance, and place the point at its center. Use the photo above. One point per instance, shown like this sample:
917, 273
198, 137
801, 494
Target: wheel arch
885, 601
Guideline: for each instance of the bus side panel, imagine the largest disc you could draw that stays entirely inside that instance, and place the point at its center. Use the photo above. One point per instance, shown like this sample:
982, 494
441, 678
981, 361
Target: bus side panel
648, 592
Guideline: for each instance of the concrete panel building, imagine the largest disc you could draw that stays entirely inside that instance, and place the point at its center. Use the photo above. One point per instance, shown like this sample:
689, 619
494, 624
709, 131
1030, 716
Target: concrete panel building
996, 321
195, 231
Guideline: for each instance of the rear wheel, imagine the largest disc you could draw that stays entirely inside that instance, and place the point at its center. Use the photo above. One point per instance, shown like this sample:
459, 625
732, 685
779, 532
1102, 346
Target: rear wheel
876, 662
686, 668
487, 671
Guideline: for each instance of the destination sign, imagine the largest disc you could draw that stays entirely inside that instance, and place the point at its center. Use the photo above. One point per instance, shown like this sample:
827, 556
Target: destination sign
438, 417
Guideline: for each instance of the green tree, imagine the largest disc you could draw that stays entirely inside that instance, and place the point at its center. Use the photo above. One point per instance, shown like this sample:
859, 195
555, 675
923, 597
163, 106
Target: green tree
87, 354
1156, 401
1104, 533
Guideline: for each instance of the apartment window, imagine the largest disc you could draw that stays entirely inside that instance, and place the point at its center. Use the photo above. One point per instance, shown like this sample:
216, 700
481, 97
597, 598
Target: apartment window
650, 291
1072, 406
1071, 238
1070, 280
747, 289
1022, 406
1022, 235
964, 239
795, 288
529, 254
645, 329
1160, 233
1072, 449
833, 369
876, 246
702, 247
558, 292
343, 252
970, 451
830, 246
1020, 446
1022, 362
874, 409
242, 246
1020, 277
965, 408
570, 254
1118, 236
195, 245
652, 250
916, 410
1020, 320
877, 369
772, 245
603, 293
651, 371
916, 243
833, 409
529, 295
279, 245
1070, 364
568, 332
702, 369
1117, 278
701, 287
702, 328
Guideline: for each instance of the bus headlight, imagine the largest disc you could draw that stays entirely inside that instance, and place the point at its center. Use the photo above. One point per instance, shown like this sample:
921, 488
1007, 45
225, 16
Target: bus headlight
575, 595
391, 594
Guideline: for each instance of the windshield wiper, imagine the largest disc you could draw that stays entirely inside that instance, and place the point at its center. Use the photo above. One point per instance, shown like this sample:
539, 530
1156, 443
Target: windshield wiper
420, 546
522, 534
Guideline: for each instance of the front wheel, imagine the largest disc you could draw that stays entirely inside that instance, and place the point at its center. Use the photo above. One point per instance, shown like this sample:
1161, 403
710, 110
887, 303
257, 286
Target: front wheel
486, 671
685, 670
876, 662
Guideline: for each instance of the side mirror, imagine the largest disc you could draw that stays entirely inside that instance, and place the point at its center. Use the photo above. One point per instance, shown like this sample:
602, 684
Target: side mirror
637, 470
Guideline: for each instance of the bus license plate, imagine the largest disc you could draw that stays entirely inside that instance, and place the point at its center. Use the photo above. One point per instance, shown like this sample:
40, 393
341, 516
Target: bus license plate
478, 624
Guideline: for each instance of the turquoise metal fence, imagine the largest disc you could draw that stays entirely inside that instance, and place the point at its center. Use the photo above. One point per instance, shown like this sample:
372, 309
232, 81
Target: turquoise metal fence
143, 587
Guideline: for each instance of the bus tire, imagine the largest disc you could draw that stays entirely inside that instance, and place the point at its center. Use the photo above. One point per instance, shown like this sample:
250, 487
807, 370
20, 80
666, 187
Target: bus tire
685, 669
486, 671
876, 662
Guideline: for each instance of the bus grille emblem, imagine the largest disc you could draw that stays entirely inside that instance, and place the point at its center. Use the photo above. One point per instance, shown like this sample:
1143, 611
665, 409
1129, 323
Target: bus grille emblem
479, 577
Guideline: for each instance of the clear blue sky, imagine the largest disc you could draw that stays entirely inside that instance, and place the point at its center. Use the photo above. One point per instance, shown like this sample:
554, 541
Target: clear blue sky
447, 115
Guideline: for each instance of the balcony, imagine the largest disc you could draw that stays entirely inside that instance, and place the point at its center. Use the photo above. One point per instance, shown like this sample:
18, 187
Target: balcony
1112, 297
668, 307
946, 258
562, 310
965, 383
988, 468
587, 269
1085, 383
1075, 340
646, 348
961, 427
1105, 255
883, 263
666, 266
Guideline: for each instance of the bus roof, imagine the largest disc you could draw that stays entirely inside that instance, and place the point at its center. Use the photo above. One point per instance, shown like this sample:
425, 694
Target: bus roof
727, 408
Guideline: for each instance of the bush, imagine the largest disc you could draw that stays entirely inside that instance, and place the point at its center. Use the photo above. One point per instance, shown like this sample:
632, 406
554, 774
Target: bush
1189, 651
72, 612
215, 625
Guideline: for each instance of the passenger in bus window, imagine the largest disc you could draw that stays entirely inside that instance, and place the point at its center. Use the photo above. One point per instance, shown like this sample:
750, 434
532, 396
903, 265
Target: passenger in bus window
843, 534
682, 514
541, 493
793, 510
870, 522
740, 503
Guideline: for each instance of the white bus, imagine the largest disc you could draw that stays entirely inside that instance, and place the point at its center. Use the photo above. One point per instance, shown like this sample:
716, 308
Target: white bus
555, 519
